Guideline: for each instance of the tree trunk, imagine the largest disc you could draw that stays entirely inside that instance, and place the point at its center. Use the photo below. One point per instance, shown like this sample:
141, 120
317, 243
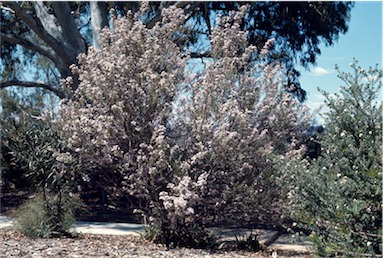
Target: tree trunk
62, 39
99, 20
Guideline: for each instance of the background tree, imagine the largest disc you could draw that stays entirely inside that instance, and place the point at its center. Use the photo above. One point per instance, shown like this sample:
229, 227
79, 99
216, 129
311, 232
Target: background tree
28, 143
60, 31
21, 115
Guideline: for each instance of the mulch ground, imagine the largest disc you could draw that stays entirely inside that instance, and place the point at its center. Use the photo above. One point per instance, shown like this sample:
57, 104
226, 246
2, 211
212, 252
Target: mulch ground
13, 244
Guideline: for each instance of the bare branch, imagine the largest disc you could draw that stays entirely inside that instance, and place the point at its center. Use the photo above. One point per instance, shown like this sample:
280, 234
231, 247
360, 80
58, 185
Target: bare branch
206, 54
59, 92
6, 8
43, 50
206, 16
56, 45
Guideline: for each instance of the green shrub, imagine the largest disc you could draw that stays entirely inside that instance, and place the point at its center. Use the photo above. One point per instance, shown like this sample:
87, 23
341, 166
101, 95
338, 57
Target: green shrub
19, 116
47, 215
339, 195
30, 142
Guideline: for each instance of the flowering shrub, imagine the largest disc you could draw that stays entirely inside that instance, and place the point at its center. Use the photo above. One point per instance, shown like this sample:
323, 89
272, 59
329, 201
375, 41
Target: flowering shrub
195, 148
339, 196
126, 90
235, 118
161, 179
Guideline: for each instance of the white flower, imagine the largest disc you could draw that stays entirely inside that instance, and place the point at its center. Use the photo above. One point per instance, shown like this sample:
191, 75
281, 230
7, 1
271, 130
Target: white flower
202, 179
189, 211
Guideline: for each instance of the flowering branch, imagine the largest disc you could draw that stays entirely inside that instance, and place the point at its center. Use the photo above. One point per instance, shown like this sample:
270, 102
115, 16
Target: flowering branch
163, 5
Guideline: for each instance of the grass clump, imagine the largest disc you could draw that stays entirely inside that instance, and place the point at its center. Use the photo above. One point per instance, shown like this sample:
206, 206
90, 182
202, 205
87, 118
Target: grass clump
47, 215
249, 243
190, 237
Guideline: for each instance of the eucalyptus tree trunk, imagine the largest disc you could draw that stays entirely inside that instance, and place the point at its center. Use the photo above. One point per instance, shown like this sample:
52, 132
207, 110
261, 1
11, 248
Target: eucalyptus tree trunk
56, 36
99, 20
59, 39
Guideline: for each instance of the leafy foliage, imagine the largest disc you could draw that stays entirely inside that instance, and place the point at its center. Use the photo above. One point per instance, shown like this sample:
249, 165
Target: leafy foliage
339, 195
47, 215
21, 127
29, 143
249, 243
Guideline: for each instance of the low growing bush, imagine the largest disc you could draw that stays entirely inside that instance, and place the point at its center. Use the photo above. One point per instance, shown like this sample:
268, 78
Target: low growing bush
47, 215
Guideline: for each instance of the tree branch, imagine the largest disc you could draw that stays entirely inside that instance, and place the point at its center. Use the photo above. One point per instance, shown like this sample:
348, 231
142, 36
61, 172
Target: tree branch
48, 21
43, 50
59, 92
206, 54
7, 9
206, 16
70, 32
56, 45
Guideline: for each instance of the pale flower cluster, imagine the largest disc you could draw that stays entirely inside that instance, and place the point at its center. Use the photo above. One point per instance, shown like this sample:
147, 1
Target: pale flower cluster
126, 89
237, 116
180, 198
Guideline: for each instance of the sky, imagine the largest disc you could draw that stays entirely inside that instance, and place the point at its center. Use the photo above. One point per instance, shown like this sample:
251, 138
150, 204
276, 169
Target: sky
363, 41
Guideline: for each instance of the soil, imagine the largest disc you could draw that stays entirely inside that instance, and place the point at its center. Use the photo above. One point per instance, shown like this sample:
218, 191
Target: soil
14, 244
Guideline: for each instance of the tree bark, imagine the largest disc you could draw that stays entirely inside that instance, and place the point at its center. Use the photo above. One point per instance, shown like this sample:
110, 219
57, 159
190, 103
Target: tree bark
99, 20
59, 92
62, 39
70, 33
